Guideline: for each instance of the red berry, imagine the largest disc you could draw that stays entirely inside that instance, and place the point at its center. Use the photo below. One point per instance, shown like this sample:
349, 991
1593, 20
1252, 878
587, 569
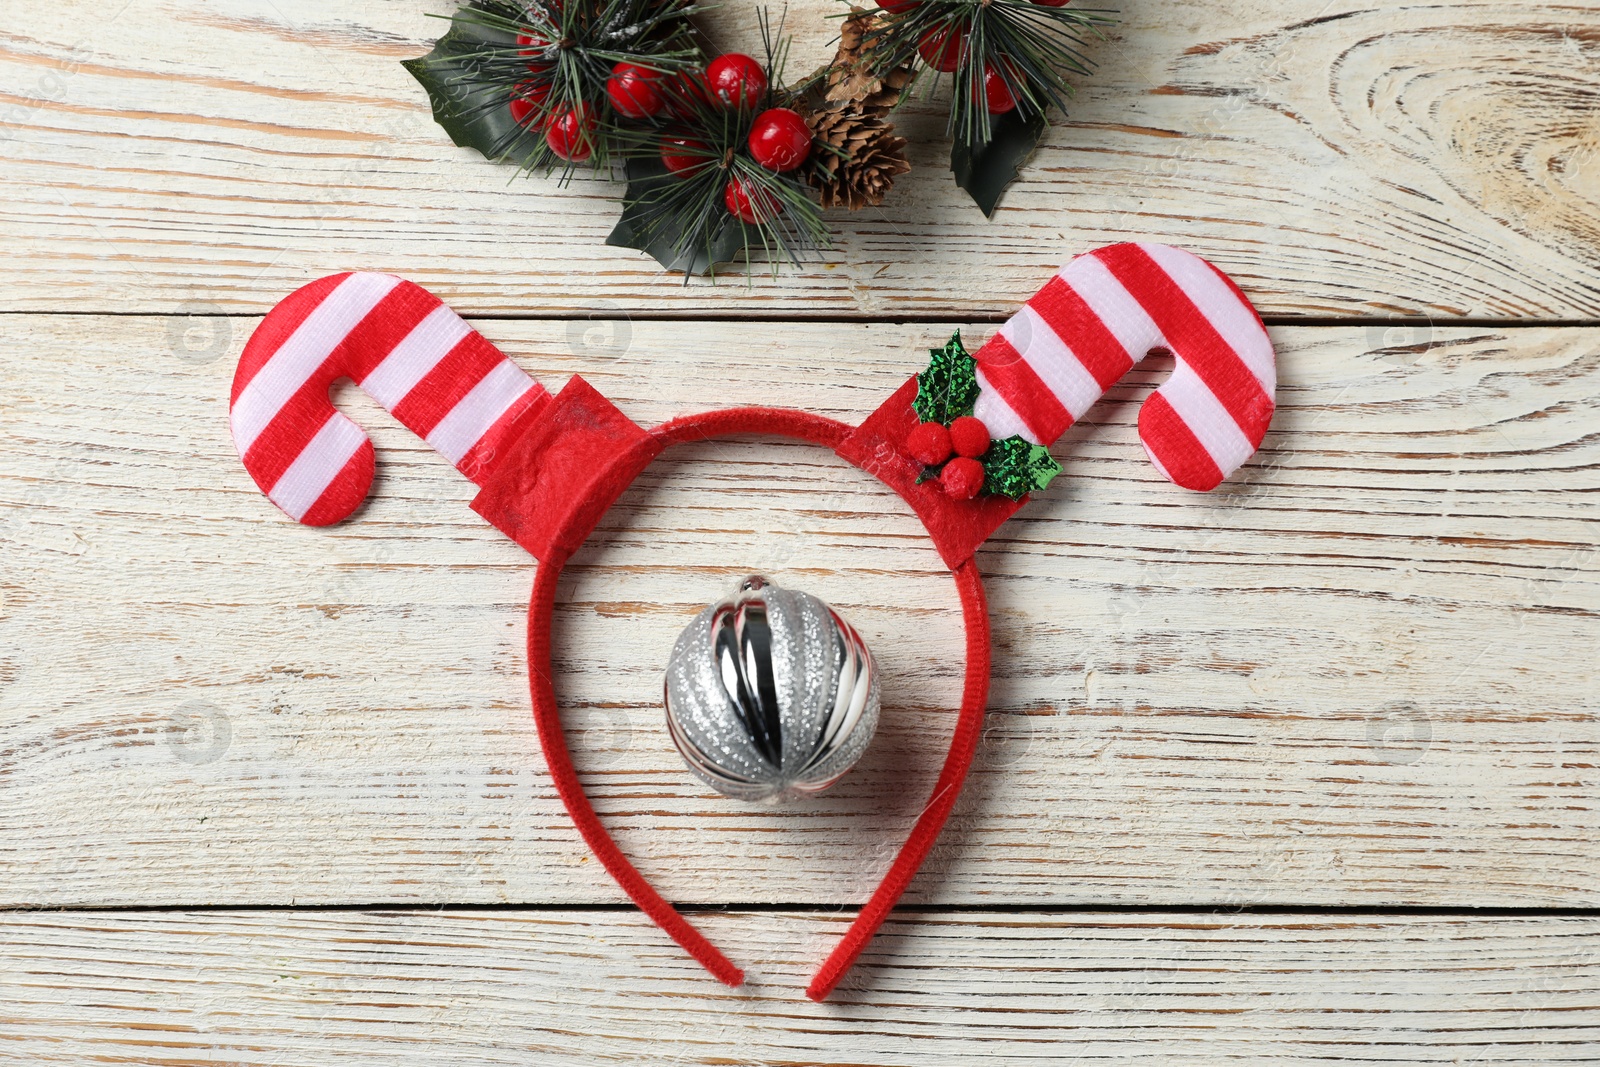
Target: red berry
686, 92
633, 91
523, 110
533, 49
942, 48
997, 94
962, 478
529, 101
570, 135
684, 155
969, 437
929, 444
895, 7
737, 80
533, 44
1051, 3
780, 139
747, 202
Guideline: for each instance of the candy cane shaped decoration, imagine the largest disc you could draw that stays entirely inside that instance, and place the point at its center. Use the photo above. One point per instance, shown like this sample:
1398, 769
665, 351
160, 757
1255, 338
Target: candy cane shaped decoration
1104, 312
406, 350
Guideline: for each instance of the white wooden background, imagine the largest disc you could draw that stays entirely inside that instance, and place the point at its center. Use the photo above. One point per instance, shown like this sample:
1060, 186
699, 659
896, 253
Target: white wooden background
1301, 771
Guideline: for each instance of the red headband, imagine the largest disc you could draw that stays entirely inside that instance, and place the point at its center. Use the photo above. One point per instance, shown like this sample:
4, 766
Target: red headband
549, 467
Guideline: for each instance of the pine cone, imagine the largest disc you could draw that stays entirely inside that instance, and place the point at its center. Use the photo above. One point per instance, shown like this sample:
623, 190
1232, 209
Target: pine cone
866, 157
851, 80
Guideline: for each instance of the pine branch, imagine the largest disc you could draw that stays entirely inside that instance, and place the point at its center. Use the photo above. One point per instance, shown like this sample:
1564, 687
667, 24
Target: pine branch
481, 66
682, 218
1029, 45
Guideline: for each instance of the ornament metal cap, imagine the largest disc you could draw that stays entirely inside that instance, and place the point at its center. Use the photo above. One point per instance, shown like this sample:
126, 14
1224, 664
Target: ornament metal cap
770, 695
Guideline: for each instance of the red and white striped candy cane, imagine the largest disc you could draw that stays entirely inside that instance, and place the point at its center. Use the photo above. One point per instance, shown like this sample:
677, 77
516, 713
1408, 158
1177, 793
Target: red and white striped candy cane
401, 345
1101, 314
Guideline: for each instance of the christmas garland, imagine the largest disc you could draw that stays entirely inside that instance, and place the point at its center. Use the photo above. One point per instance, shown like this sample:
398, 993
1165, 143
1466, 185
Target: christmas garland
721, 159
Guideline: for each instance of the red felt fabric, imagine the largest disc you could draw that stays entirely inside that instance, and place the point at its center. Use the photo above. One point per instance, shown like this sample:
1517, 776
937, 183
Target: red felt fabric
608, 456
560, 476
547, 717
957, 527
963, 748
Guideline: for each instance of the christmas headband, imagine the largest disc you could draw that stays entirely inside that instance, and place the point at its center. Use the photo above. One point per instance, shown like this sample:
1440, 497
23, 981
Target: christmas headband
963, 442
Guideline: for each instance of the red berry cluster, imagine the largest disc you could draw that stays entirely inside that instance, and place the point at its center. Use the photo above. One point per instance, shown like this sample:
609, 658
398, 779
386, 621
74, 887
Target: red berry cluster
779, 138
967, 438
569, 131
944, 49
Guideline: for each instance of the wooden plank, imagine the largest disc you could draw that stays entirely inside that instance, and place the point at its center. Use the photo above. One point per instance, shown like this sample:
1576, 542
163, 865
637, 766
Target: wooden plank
1361, 673
284, 989
1384, 159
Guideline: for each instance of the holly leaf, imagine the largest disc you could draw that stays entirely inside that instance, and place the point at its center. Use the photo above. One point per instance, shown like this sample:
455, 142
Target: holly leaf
949, 387
1014, 467
985, 170
466, 81
645, 209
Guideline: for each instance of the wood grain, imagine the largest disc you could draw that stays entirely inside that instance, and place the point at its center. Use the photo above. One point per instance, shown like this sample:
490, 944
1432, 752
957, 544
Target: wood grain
1361, 673
1433, 161
305, 988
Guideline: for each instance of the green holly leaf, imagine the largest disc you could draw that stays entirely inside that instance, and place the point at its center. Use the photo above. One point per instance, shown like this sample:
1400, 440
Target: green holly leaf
1015, 467
984, 170
466, 81
949, 387
648, 216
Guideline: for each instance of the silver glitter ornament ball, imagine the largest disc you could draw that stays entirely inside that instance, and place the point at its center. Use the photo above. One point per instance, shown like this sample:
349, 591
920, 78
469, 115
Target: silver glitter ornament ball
770, 694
